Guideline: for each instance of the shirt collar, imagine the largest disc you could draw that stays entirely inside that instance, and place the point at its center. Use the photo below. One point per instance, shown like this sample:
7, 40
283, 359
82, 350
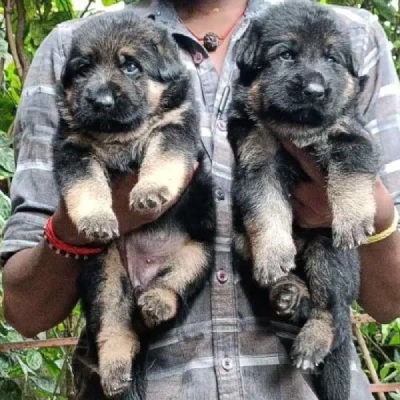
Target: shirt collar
164, 11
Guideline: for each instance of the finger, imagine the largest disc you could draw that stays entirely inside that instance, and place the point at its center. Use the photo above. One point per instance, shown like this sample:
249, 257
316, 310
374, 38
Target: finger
307, 163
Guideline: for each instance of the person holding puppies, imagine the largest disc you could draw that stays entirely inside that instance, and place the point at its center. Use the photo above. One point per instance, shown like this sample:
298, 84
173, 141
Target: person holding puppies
225, 341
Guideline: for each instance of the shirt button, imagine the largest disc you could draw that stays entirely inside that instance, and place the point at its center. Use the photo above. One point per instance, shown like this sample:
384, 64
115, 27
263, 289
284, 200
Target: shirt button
219, 194
222, 276
227, 364
221, 125
198, 57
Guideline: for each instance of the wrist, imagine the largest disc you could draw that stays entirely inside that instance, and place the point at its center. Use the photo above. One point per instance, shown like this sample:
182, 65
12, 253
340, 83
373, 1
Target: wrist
384, 208
66, 230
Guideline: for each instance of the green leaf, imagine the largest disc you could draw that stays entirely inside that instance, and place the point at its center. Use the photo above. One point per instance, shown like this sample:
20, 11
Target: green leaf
385, 329
7, 159
109, 2
395, 340
5, 206
395, 396
34, 360
3, 45
44, 383
14, 336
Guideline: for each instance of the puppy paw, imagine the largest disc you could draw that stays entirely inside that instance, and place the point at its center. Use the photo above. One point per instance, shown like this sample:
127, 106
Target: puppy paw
349, 233
116, 376
274, 262
103, 227
157, 306
149, 196
312, 344
285, 295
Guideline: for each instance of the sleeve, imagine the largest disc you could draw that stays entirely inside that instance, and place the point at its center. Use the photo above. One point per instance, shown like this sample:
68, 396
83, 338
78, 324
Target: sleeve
33, 191
380, 103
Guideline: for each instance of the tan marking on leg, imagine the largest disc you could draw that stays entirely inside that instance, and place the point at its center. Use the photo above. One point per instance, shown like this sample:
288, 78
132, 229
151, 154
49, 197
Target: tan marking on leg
270, 228
270, 235
314, 341
117, 342
185, 267
351, 197
157, 306
89, 206
91, 196
162, 177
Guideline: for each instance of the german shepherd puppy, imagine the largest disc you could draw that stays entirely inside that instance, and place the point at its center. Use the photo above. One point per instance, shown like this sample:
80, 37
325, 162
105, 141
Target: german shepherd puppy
126, 104
297, 81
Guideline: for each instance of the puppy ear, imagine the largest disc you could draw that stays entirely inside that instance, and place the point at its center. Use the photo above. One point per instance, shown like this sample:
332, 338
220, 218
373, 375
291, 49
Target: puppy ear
169, 65
249, 48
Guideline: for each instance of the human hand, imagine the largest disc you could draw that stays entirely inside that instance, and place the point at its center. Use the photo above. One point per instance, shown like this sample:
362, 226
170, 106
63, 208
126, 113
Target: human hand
310, 200
128, 220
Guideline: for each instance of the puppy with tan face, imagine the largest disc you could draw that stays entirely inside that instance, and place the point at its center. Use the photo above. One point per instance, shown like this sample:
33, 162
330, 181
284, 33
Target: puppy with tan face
297, 82
126, 104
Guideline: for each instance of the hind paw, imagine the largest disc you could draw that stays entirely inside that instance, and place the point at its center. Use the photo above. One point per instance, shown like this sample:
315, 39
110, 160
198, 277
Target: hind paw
285, 295
312, 344
116, 377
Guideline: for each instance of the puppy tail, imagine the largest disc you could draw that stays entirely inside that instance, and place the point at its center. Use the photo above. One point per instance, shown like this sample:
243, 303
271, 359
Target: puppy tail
335, 379
137, 390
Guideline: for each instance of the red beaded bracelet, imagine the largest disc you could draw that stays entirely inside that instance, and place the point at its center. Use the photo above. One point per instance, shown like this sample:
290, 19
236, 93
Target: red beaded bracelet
65, 249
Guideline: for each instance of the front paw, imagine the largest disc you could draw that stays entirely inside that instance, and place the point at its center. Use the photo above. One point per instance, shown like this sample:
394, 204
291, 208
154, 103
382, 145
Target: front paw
157, 306
286, 294
102, 226
274, 261
149, 196
351, 232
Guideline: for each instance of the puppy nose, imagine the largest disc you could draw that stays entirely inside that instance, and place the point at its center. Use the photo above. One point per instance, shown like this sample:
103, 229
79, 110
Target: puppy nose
105, 101
314, 91
100, 98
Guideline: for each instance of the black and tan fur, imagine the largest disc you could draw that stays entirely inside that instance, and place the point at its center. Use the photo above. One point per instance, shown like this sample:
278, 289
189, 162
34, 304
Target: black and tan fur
297, 81
126, 104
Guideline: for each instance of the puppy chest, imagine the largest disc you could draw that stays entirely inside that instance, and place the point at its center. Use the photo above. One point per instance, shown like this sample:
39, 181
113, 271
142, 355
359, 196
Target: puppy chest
119, 156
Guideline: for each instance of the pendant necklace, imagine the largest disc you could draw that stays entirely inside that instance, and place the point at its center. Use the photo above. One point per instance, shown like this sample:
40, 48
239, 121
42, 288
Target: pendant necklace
211, 40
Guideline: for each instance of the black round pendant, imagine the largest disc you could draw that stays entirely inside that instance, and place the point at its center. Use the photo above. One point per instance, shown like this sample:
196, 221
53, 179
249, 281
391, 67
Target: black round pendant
211, 41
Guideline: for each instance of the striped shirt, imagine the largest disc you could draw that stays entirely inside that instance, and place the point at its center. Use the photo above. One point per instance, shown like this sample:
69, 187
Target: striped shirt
226, 347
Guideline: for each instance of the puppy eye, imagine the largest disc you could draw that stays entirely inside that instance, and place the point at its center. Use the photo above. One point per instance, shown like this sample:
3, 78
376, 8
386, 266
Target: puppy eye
331, 59
129, 68
82, 69
80, 66
287, 55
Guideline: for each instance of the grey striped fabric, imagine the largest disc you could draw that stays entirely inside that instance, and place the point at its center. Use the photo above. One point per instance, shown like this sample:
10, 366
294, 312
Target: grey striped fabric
224, 348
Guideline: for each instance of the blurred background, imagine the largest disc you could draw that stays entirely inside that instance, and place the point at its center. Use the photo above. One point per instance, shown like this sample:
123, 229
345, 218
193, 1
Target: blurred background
40, 368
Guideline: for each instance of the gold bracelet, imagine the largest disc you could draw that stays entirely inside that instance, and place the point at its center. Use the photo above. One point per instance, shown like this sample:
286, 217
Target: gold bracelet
387, 232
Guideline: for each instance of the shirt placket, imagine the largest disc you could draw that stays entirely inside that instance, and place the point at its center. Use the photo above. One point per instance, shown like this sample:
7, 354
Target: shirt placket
223, 297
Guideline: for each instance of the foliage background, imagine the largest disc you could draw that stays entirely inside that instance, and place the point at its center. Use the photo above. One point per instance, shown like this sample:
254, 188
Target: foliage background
45, 373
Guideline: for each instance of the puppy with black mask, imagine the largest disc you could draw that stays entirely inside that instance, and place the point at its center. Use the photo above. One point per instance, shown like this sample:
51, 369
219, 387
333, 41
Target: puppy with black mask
126, 104
297, 81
